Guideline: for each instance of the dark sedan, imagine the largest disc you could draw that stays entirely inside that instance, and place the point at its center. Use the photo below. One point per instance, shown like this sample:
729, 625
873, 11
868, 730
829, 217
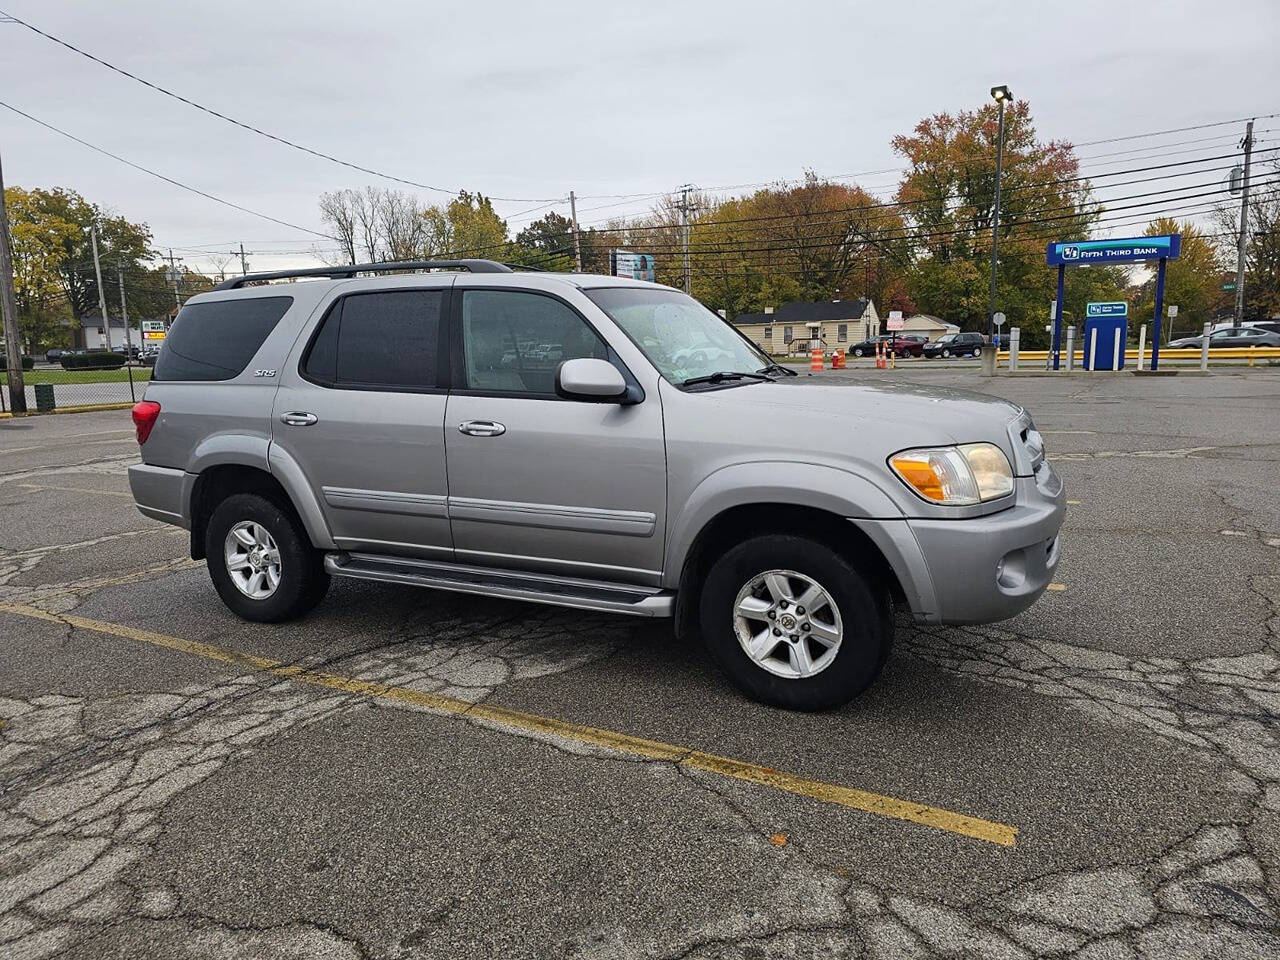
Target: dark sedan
955, 345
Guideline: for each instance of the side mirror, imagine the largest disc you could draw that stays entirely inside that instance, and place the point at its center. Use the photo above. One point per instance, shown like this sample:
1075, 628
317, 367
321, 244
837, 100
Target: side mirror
592, 380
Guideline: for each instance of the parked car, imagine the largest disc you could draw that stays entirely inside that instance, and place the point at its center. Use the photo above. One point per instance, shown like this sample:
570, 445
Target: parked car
53, 355
955, 345
148, 356
898, 344
363, 428
1232, 337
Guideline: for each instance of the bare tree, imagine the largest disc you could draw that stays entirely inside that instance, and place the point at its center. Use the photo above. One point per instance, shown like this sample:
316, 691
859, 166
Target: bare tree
337, 211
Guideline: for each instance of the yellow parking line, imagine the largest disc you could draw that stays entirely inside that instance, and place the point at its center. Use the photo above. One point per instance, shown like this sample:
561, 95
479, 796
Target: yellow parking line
524, 723
46, 486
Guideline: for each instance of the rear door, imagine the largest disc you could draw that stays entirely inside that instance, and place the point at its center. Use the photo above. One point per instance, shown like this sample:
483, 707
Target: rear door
361, 410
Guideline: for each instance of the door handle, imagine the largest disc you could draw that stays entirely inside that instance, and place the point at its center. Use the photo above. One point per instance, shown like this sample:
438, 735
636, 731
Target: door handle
296, 418
482, 428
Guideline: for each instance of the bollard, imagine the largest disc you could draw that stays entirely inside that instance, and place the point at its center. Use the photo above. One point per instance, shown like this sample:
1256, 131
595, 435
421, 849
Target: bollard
1204, 347
1091, 363
1142, 343
1071, 348
1015, 335
1115, 352
988, 358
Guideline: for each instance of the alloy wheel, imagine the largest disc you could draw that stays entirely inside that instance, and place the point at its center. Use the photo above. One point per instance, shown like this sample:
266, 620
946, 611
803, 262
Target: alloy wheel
788, 624
252, 559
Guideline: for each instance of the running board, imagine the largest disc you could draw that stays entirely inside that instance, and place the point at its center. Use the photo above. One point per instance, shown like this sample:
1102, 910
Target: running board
512, 585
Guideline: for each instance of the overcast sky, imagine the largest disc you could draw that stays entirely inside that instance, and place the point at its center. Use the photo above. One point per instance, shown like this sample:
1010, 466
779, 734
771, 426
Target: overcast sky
529, 100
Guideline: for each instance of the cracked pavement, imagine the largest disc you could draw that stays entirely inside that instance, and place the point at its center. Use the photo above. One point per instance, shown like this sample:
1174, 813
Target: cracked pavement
154, 803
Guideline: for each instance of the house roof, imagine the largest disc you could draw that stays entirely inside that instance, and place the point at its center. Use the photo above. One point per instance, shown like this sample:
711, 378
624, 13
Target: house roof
797, 312
753, 318
95, 320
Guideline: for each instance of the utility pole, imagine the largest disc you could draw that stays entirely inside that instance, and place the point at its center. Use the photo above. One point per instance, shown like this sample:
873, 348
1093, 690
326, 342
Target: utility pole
173, 275
577, 245
1244, 225
124, 308
684, 207
244, 264
1000, 94
102, 294
9, 308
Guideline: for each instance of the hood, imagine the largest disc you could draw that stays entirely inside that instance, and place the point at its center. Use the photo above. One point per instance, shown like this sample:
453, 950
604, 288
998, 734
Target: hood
911, 415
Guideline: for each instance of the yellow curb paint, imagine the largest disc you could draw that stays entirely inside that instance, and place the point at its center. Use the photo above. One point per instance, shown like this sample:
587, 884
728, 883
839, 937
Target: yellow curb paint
523, 723
45, 486
1074, 503
93, 407
1057, 586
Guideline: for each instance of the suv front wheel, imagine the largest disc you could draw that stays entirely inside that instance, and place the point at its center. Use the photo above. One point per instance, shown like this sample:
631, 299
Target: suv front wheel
793, 623
261, 562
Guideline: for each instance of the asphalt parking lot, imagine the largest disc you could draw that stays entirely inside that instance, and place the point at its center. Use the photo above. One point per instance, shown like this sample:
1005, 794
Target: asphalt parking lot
410, 774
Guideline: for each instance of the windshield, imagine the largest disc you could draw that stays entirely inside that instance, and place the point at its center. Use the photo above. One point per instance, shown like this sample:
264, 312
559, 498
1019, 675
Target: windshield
946, 338
680, 336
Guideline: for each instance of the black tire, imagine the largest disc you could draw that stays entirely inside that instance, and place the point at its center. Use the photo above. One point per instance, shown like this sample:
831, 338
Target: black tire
866, 619
946, 353
857, 351
303, 581
977, 352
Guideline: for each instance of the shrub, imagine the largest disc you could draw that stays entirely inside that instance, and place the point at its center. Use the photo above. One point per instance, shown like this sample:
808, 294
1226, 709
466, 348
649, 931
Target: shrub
94, 360
28, 363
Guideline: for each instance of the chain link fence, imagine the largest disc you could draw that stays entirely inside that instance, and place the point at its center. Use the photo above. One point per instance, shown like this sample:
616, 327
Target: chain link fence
49, 387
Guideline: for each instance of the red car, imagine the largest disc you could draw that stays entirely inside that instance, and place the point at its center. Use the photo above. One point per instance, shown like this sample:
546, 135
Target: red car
902, 345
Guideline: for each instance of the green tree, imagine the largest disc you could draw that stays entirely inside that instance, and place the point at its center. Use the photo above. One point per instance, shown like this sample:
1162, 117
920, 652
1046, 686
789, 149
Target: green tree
546, 243
1192, 282
948, 198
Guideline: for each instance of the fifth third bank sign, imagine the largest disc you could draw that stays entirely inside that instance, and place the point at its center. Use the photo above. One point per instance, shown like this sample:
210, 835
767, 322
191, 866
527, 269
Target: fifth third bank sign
1130, 250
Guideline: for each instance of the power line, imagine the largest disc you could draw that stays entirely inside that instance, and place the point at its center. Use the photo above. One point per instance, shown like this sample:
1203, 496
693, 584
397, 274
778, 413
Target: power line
247, 126
161, 176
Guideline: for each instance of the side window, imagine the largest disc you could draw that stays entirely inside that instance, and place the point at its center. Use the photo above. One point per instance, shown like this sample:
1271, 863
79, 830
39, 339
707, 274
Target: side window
786, 334
512, 342
842, 333
384, 340
215, 340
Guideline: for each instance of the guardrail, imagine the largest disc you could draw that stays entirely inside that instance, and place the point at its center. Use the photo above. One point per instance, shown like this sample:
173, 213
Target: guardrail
1166, 353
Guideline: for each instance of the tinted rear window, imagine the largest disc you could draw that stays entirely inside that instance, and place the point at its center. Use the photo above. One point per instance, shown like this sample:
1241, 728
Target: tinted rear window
216, 340
378, 340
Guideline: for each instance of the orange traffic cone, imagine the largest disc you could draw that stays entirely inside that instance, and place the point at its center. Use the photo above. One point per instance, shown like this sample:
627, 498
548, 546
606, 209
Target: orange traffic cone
815, 359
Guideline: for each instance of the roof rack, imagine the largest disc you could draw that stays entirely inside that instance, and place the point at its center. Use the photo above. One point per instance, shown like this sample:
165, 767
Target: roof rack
346, 271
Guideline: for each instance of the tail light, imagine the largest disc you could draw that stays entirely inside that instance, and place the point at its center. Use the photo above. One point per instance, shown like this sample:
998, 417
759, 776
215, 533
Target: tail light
145, 414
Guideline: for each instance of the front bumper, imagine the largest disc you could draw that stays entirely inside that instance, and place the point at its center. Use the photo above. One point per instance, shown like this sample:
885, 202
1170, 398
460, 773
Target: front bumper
982, 569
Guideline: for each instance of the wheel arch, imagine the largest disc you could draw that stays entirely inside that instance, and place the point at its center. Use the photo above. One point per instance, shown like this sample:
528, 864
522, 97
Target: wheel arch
712, 525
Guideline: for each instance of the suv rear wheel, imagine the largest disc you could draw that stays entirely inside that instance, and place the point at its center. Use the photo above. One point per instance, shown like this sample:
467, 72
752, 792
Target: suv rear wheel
261, 562
793, 623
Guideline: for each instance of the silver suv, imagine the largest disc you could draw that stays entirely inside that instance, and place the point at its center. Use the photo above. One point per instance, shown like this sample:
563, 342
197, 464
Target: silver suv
586, 441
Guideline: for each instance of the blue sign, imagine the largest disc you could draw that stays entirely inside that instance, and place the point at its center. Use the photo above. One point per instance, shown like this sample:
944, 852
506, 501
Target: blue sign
1114, 308
1130, 250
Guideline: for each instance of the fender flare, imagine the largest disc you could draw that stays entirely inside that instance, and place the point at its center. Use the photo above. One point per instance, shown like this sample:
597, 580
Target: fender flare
259, 453
841, 492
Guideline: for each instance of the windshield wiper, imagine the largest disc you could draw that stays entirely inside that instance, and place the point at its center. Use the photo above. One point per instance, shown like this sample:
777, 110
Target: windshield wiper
724, 376
778, 368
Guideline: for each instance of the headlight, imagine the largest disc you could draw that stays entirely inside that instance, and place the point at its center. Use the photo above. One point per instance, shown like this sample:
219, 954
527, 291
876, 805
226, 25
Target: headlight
956, 476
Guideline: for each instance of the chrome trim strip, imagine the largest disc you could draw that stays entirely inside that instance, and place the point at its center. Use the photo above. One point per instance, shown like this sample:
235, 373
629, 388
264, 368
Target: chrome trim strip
627, 523
387, 501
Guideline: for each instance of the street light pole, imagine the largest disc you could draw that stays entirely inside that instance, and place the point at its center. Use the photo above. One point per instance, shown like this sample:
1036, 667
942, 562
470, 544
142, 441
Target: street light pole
1000, 94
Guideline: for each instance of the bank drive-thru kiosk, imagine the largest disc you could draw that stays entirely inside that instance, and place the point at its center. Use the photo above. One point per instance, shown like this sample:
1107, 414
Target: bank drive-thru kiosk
1106, 333
1105, 253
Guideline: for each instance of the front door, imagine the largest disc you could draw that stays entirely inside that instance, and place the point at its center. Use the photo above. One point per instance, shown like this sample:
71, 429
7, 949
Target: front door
362, 414
538, 482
